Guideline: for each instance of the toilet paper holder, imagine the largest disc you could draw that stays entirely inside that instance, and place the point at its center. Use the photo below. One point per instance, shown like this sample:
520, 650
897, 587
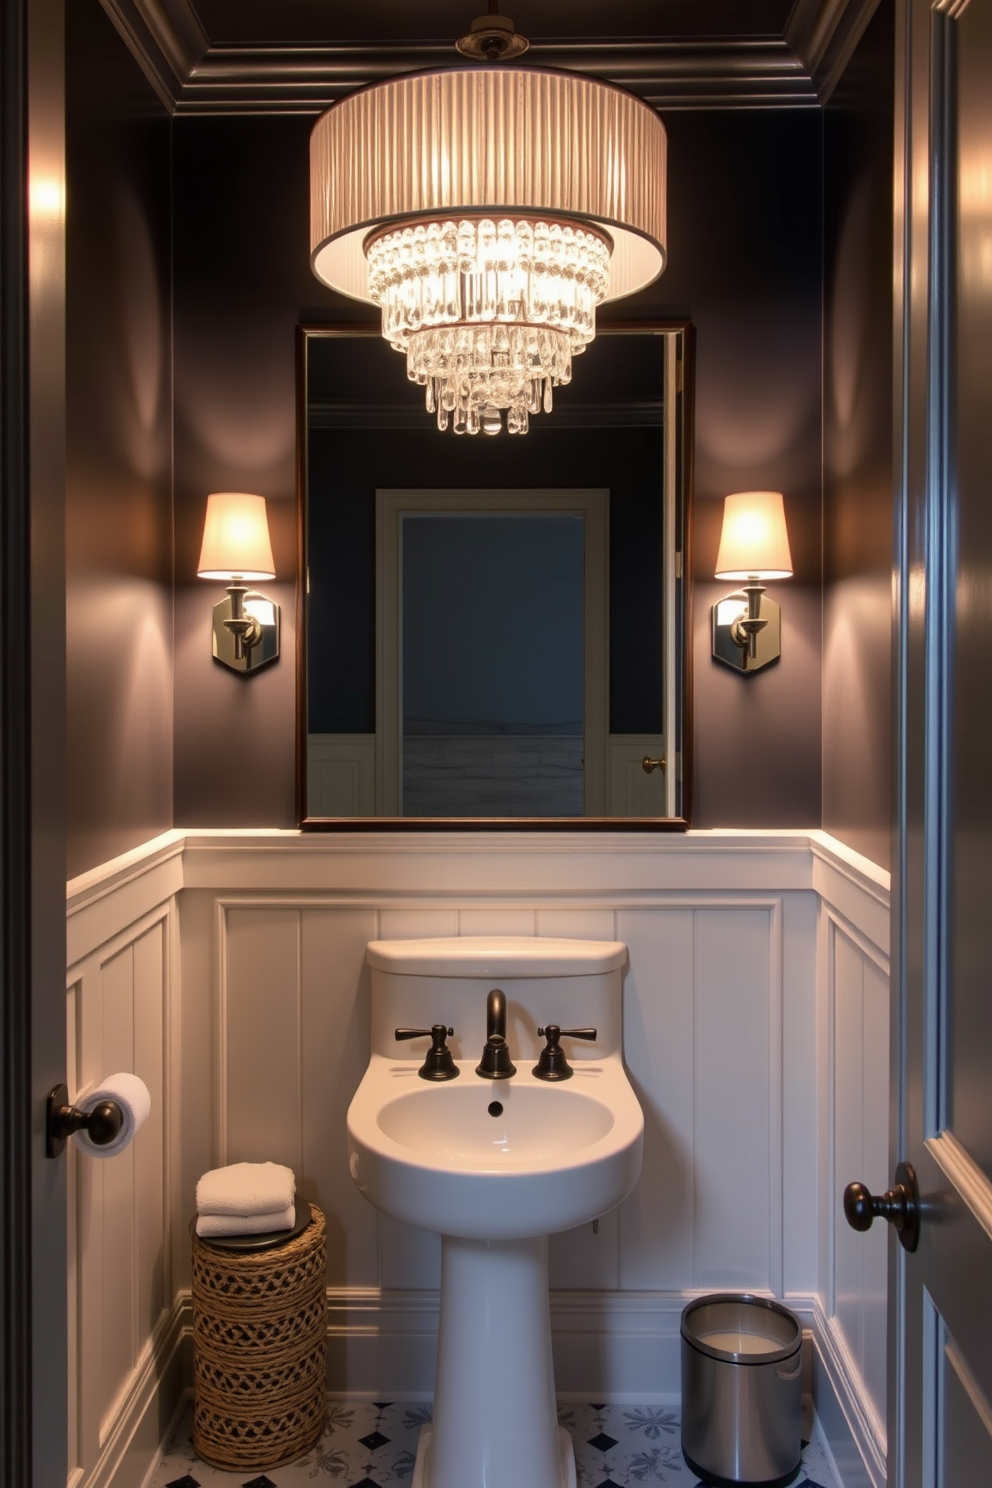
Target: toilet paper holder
102, 1124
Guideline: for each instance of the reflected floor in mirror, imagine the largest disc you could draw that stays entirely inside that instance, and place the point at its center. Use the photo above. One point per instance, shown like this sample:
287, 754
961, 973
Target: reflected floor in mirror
369, 1444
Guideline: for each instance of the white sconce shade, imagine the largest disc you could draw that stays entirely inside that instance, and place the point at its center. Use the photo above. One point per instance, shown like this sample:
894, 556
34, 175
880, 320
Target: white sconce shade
754, 541
754, 545
236, 548
236, 538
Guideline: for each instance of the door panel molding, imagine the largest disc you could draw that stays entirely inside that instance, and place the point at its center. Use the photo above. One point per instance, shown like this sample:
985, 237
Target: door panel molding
971, 1182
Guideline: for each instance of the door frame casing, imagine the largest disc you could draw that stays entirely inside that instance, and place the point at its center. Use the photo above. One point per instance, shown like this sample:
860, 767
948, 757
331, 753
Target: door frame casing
15, 742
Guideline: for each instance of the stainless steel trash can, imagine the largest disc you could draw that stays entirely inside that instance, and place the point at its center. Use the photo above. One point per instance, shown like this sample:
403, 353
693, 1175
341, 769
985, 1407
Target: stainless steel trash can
741, 1390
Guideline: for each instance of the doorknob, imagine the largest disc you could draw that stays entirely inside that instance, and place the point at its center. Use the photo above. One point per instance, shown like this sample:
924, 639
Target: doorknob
900, 1205
648, 764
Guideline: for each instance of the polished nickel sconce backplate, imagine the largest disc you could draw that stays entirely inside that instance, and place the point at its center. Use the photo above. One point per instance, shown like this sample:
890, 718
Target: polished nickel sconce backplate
730, 642
261, 642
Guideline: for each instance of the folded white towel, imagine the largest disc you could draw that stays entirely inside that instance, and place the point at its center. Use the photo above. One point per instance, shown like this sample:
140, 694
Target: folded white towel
246, 1224
131, 1094
246, 1188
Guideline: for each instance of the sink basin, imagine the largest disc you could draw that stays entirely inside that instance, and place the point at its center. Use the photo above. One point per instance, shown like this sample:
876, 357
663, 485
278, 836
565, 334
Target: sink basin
535, 1125
487, 1159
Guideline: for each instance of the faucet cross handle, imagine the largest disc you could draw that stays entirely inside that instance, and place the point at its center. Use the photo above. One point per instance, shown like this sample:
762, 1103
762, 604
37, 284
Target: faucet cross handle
552, 1064
438, 1063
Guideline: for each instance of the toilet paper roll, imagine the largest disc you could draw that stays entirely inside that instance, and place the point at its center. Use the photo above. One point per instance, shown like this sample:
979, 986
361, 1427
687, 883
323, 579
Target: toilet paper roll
131, 1094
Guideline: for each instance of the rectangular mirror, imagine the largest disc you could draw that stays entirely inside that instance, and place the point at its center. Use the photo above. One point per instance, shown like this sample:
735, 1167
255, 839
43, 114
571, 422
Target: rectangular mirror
494, 629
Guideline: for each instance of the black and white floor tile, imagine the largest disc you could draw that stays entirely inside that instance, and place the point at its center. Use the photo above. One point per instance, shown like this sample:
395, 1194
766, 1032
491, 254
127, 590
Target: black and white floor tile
369, 1444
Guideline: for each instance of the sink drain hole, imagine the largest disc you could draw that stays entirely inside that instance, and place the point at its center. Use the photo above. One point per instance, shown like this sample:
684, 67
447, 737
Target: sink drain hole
495, 1108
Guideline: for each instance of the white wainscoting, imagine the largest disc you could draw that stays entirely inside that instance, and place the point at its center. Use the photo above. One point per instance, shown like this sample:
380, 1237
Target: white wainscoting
853, 1079
124, 1311
741, 1037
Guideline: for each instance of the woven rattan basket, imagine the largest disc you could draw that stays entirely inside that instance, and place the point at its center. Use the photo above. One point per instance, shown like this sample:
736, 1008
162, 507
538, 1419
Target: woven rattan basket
259, 1350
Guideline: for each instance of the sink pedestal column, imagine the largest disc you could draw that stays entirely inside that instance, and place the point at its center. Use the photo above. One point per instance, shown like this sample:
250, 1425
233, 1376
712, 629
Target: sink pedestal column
495, 1417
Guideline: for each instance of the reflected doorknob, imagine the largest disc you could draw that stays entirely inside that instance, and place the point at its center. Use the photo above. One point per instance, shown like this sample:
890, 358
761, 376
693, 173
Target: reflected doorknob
900, 1205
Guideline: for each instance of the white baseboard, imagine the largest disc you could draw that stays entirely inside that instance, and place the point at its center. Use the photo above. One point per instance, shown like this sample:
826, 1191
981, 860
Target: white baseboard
851, 1431
612, 1346
133, 1434
620, 1345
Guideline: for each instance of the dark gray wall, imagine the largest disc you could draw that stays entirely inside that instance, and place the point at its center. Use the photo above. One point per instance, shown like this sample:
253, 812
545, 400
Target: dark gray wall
857, 430
119, 440
241, 281
745, 208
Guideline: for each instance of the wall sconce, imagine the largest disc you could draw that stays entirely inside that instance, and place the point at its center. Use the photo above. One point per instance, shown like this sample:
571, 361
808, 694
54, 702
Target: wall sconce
236, 547
754, 545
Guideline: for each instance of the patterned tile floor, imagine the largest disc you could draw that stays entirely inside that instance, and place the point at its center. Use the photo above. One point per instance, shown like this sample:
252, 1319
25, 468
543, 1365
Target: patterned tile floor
373, 1445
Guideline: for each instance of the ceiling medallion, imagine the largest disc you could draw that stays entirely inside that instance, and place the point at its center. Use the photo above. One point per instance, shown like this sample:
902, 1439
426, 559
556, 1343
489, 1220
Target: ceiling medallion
488, 210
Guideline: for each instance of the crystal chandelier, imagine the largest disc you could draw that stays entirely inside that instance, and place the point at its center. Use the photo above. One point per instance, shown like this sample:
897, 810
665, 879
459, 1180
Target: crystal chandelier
487, 211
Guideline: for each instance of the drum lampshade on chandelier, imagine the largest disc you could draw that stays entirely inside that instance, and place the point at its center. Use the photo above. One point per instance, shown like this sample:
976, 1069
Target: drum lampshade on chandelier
488, 210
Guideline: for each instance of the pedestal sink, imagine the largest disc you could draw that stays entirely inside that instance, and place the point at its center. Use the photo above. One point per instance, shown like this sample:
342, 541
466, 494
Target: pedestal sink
495, 1166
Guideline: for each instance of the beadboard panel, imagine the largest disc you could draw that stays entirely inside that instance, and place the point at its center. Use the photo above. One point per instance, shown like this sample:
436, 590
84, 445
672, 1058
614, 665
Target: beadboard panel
737, 1097
854, 1036
656, 1248
703, 1007
121, 1283
335, 1037
258, 1073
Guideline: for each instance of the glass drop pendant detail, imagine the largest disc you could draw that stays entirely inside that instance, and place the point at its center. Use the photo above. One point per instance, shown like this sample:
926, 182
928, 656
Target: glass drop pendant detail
488, 210
489, 312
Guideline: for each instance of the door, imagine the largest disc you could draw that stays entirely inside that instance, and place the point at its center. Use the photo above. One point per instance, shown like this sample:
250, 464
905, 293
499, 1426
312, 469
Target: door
34, 1430
492, 652
941, 1422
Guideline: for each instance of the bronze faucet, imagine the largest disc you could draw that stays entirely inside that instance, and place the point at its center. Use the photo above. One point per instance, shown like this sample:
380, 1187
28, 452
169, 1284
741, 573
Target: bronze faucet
495, 1063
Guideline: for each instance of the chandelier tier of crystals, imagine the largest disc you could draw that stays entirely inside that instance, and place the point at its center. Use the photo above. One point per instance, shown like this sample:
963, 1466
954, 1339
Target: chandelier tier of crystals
487, 211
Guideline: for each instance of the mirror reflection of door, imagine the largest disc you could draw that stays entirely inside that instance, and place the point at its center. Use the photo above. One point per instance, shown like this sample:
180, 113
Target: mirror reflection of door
496, 691
622, 429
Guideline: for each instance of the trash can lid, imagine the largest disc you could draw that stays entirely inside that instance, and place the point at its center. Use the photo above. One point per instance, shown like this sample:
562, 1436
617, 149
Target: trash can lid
741, 1329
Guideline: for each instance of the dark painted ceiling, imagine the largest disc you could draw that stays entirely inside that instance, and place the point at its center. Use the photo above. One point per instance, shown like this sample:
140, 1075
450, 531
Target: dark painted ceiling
299, 56
254, 21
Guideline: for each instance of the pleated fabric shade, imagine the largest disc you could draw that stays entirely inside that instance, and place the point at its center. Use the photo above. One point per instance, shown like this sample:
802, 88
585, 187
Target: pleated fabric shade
488, 210
506, 140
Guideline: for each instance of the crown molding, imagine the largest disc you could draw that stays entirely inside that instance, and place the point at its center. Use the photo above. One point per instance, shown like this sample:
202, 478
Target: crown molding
296, 79
193, 77
824, 34
167, 39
